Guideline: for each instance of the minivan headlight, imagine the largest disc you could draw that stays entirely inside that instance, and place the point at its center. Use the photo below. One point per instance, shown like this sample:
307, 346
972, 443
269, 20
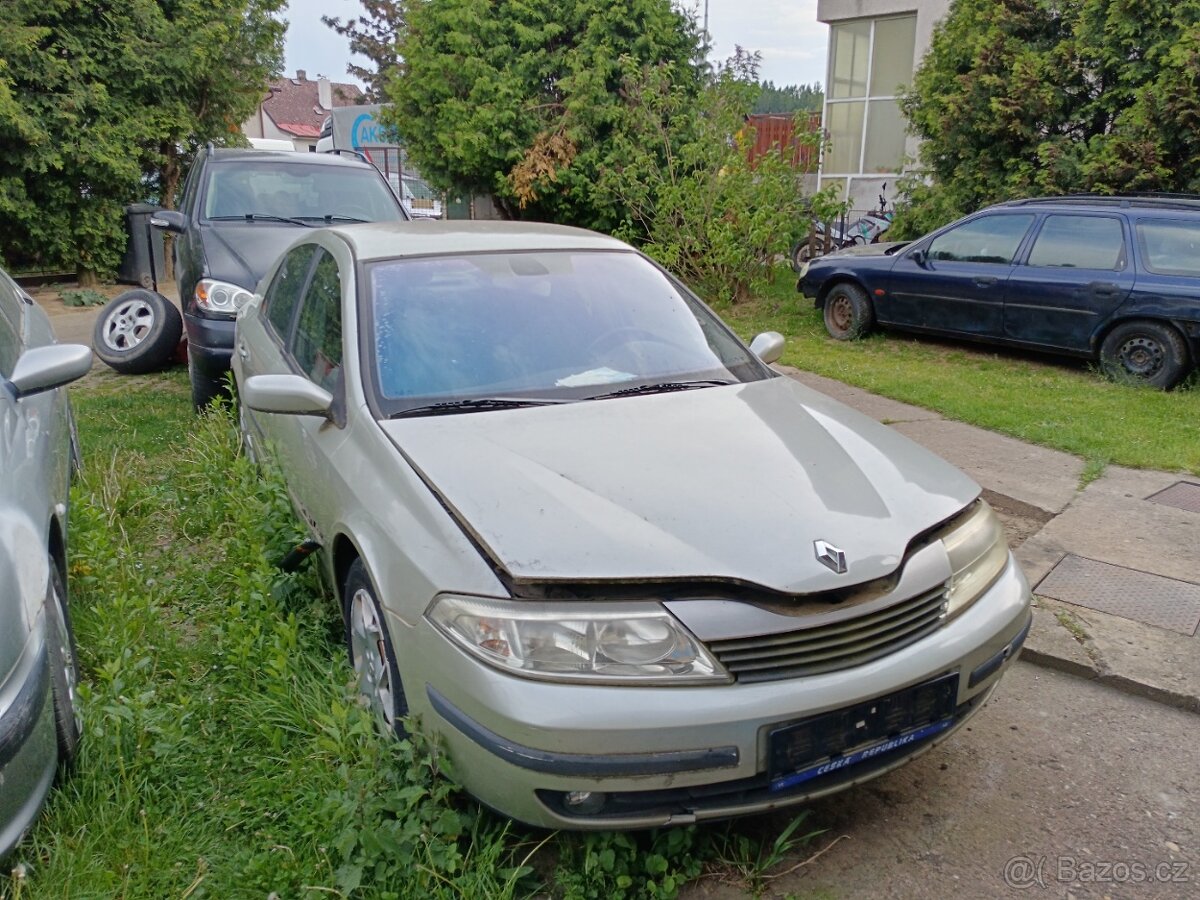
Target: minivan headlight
978, 554
221, 298
619, 642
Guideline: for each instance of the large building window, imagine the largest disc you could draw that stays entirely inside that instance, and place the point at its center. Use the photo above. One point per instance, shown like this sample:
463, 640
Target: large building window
870, 60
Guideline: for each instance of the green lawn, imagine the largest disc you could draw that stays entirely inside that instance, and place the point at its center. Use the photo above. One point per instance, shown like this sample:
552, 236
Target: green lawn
1056, 402
224, 755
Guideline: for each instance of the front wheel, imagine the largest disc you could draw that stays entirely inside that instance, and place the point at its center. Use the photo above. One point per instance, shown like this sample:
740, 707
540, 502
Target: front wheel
371, 653
64, 670
1144, 352
205, 387
801, 253
848, 312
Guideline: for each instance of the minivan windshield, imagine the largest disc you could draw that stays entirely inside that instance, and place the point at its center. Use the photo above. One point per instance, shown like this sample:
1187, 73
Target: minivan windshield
304, 191
554, 326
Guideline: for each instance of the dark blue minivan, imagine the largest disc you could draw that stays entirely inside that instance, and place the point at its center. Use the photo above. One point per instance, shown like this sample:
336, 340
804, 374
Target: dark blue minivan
1115, 279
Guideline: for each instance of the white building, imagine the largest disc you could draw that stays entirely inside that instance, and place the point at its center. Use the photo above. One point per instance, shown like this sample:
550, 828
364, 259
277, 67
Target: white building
874, 47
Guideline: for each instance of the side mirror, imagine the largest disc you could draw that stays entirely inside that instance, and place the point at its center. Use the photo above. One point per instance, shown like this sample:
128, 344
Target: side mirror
918, 256
287, 394
170, 220
46, 368
768, 346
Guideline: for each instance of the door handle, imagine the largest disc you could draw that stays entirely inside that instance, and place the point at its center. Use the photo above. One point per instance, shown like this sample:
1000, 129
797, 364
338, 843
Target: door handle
986, 280
243, 351
1104, 289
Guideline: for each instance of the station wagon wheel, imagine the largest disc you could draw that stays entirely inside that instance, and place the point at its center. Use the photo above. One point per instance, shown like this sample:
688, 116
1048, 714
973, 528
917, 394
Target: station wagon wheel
371, 653
64, 670
1144, 352
848, 312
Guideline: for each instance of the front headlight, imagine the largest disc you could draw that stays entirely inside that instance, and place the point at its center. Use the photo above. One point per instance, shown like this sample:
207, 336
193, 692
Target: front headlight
978, 554
619, 642
221, 298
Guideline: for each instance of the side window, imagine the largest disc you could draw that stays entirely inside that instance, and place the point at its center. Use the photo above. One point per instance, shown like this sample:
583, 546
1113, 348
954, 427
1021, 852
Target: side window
1170, 246
317, 347
1080, 242
991, 239
284, 293
10, 324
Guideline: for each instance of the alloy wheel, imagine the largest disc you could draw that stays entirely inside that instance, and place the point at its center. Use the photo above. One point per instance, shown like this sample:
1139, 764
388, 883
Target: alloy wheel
370, 656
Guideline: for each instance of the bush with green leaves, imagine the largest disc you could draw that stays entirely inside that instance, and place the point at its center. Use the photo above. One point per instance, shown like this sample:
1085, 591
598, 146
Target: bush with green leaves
1025, 97
707, 212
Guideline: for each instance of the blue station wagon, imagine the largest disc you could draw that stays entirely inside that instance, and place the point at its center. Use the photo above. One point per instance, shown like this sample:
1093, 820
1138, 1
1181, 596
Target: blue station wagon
1114, 279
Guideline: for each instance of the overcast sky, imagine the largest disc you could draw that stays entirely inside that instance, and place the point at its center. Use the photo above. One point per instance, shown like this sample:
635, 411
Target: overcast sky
786, 32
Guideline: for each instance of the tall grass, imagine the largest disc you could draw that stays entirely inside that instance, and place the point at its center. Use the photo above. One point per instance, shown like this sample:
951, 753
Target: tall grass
224, 754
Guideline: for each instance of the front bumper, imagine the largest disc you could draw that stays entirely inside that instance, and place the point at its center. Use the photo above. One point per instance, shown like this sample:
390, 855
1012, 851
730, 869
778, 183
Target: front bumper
210, 343
28, 751
676, 755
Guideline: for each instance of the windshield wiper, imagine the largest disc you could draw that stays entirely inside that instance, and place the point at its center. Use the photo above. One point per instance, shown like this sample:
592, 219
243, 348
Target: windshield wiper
329, 218
260, 217
661, 387
476, 404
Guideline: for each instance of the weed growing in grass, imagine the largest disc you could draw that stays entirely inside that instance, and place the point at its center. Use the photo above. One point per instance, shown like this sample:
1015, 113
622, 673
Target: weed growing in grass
224, 754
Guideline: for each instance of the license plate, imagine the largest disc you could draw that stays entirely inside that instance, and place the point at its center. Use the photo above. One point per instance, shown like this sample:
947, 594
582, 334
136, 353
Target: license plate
837, 740
850, 759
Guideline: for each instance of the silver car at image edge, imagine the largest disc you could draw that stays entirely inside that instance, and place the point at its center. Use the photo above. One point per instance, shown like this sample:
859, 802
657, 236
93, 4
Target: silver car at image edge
625, 573
39, 720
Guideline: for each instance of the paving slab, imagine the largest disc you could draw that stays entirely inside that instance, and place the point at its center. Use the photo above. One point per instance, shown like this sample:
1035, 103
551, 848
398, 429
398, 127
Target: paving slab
1047, 479
879, 408
1131, 656
1112, 521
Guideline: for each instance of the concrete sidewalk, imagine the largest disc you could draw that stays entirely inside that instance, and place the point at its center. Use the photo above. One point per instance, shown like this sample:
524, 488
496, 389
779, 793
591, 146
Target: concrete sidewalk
1115, 574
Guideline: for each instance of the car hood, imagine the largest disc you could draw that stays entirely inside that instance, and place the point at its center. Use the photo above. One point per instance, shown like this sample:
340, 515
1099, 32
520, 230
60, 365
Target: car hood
242, 253
727, 483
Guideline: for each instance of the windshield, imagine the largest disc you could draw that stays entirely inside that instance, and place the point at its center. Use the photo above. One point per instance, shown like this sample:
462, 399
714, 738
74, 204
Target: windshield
298, 191
547, 326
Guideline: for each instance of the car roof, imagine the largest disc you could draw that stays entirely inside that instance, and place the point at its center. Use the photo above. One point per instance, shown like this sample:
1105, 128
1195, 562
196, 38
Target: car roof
239, 154
1142, 202
390, 240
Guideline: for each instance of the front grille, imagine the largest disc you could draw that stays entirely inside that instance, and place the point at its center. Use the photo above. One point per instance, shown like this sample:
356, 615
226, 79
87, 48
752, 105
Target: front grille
839, 645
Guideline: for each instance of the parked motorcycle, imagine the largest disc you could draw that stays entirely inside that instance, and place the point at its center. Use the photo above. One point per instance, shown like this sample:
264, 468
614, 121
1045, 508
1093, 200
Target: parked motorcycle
865, 229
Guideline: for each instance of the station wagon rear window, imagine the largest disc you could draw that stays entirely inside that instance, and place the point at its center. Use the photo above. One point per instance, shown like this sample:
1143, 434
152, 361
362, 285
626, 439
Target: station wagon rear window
1170, 246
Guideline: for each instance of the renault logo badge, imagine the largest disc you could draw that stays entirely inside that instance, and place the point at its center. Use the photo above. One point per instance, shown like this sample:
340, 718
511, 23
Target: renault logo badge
830, 556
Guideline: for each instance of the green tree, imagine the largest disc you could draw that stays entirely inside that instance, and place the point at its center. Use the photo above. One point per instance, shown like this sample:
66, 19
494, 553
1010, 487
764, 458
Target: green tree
374, 33
101, 101
696, 202
213, 62
523, 100
1024, 97
789, 98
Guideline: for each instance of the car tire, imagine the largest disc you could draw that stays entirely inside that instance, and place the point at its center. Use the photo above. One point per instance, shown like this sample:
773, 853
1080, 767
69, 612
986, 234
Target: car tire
1146, 353
801, 253
64, 670
371, 655
137, 332
205, 387
848, 312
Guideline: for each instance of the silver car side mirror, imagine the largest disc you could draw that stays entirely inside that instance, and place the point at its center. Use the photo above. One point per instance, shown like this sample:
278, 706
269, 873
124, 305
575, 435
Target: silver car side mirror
287, 394
46, 368
768, 346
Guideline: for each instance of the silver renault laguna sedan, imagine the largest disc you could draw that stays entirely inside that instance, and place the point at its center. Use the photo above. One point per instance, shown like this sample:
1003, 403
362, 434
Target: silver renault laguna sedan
39, 720
621, 570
